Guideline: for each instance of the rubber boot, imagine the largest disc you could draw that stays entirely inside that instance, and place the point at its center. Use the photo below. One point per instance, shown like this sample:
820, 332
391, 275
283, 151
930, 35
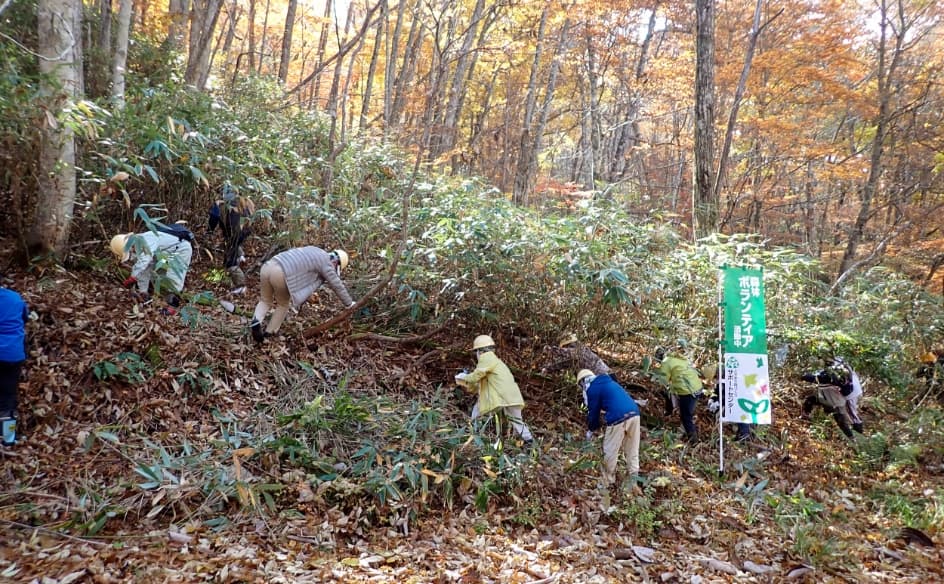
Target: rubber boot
843, 424
8, 428
256, 328
858, 428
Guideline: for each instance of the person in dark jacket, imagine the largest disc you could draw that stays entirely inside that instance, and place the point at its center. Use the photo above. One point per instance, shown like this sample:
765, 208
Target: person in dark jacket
290, 278
571, 353
231, 214
838, 393
603, 395
13, 316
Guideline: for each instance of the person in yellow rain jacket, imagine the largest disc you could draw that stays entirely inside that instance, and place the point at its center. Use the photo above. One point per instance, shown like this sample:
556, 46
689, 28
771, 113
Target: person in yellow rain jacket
496, 387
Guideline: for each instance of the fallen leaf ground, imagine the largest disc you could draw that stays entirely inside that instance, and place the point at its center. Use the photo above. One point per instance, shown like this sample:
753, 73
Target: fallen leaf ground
797, 504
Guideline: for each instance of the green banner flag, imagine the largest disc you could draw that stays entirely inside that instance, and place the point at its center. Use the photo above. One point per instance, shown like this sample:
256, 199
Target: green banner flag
746, 378
745, 325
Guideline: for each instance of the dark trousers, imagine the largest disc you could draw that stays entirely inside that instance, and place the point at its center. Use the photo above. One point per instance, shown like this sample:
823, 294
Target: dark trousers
812, 401
9, 382
687, 414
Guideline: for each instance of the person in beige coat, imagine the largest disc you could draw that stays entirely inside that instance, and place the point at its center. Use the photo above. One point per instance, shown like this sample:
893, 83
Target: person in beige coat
495, 386
290, 278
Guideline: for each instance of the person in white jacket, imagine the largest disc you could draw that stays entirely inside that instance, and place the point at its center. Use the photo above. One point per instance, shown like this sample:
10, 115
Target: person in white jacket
290, 278
160, 259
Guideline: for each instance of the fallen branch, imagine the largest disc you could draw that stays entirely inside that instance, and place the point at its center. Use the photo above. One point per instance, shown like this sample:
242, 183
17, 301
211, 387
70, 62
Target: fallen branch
402, 340
52, 532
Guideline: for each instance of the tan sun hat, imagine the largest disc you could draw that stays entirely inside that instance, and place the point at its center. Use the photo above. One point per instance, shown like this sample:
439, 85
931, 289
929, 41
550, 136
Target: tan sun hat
583, 374
342, 258
567, 339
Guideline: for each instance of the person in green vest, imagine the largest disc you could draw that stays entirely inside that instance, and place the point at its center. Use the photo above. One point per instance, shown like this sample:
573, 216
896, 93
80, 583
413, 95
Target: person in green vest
683, 383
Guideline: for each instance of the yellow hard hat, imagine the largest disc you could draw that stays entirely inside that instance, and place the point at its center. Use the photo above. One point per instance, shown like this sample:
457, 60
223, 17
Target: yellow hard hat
482, 341
583, 374
928, 357
567, 339
118, 245
342, 258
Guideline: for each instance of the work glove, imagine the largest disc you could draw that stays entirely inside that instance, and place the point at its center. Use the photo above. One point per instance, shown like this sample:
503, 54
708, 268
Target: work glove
713, 406
129, 282
589, 437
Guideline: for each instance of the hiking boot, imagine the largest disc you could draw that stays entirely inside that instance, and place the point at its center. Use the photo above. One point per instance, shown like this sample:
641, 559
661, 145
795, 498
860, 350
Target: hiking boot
256, 329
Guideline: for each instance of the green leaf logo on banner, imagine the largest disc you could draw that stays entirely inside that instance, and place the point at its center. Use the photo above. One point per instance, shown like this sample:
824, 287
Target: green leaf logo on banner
754, 408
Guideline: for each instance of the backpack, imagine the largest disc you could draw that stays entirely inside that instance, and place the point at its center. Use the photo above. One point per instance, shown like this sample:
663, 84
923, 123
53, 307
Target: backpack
178, 230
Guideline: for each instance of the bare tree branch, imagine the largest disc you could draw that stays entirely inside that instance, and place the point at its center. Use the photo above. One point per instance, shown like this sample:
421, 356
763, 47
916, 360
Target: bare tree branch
869, 259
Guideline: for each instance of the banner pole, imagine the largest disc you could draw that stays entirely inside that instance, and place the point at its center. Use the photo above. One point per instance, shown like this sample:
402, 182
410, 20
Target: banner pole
720, 371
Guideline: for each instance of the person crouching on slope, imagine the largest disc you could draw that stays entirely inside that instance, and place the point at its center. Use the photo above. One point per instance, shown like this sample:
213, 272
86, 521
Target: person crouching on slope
159, 256
682, 382
496, 387
570, 353
290, 278
838, 393
603, 395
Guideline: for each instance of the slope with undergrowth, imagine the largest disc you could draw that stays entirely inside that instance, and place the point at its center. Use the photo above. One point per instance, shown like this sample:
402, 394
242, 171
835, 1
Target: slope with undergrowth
161, 447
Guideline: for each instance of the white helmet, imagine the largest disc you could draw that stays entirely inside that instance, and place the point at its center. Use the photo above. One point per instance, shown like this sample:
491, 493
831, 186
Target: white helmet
118, 245
482, 341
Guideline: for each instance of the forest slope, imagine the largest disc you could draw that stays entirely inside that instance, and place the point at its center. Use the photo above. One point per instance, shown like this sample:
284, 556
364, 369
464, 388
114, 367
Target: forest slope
196, 403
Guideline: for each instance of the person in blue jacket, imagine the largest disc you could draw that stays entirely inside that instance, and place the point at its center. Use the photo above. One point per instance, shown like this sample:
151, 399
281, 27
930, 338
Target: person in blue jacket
603, 395
13, 317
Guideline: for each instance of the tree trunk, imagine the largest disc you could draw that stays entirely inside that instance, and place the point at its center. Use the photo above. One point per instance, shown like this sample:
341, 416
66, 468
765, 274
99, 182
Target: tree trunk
203, 17
393, 45
265, 33
322, 50
704, 203
121, 54
57, 177
756, 29
526, 158
287, 40
251, 36
464, 68
372, 68
79, 50
177, 27
527, 167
